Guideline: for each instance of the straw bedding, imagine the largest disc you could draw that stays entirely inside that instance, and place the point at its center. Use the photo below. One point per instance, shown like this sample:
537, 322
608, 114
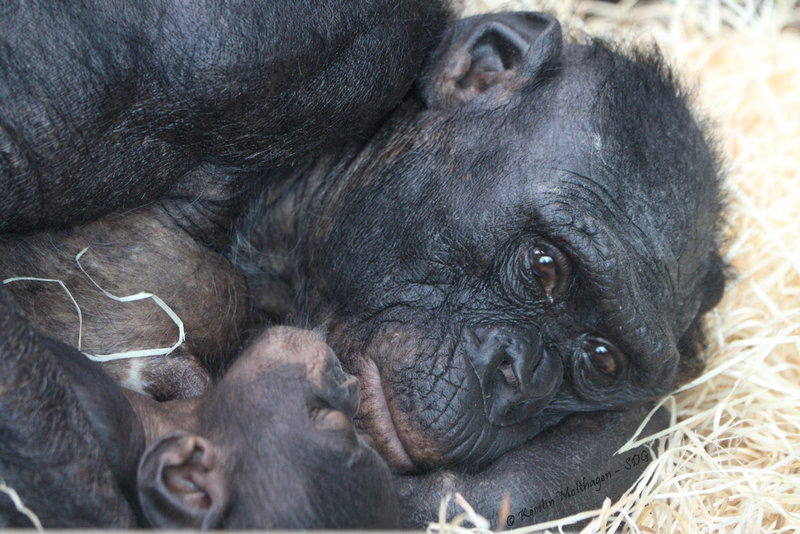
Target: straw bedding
731, 460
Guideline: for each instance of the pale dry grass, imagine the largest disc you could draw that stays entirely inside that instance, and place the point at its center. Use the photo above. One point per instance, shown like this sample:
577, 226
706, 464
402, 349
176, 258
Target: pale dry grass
731, 460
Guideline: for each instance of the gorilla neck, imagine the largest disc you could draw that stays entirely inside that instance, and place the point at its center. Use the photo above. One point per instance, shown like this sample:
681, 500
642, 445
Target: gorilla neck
283, 220
295, 214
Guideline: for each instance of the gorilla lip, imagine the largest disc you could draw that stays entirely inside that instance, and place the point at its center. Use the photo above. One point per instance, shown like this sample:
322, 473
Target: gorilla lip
380, 422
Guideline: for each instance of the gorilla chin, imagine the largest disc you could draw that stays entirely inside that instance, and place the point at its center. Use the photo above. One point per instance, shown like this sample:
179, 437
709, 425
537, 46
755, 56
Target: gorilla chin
416, 392
533, 233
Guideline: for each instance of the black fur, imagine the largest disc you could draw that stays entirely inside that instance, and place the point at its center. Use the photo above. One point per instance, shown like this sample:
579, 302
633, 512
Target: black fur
163, 117
103, 105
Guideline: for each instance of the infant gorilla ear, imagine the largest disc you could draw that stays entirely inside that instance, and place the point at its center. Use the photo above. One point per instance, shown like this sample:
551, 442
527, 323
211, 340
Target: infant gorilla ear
281, 449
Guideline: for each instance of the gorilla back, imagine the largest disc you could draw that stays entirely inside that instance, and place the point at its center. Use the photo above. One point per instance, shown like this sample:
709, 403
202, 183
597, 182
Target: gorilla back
534, 233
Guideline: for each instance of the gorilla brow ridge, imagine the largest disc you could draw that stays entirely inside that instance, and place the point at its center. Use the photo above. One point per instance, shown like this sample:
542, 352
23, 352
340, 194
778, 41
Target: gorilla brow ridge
647, 66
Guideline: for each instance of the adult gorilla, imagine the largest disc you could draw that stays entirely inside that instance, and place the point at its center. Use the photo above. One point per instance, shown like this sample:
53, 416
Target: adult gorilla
534, 233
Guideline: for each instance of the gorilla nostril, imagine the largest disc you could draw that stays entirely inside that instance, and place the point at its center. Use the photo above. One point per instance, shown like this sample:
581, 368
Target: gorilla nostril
508, 373
492, 349
516, 376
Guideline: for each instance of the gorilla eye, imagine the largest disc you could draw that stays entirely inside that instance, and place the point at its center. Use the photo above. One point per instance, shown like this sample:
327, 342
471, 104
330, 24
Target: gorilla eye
541, 265
603, 357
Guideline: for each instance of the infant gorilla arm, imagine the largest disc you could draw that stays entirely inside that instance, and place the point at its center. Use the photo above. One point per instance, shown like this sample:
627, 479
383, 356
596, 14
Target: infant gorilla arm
271, 446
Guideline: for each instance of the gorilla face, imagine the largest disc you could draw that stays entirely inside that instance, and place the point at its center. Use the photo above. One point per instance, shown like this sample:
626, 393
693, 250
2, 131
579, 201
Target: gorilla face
533, 234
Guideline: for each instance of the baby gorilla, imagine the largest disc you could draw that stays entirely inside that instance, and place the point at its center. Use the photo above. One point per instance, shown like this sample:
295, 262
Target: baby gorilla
270, 446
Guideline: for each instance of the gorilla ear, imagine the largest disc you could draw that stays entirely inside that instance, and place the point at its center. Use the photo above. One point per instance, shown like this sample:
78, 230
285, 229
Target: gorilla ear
496, 50
181, 483
713, 285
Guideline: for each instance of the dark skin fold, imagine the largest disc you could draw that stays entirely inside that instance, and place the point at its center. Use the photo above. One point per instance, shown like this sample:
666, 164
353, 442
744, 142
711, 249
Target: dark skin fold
270, 446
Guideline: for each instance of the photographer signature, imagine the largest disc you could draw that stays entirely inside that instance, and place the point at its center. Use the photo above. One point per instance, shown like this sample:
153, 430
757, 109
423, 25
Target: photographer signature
579, 486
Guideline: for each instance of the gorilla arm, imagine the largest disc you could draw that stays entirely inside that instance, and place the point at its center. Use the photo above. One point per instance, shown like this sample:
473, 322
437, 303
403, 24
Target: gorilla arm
103, 105
568, 469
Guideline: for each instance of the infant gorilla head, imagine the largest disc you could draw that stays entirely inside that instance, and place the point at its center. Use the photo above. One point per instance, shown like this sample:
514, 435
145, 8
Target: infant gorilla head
270, 446
533, 233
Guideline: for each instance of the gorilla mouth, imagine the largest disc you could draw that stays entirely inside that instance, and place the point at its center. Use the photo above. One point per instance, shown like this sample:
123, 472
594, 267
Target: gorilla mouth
378, 417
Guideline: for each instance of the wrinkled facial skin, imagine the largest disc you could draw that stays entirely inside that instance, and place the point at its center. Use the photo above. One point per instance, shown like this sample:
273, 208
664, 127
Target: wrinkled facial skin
530, 236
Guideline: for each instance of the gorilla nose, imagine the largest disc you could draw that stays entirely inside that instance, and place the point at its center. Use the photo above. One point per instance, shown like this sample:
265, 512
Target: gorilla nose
517, 377
340, 389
